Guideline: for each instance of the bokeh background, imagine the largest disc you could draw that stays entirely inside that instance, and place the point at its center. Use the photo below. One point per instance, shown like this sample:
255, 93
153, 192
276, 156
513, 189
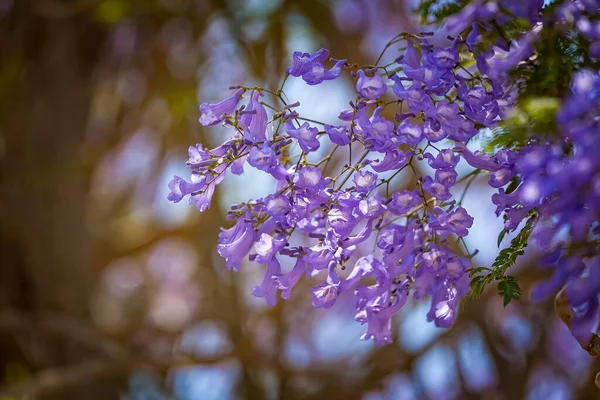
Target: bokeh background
108, 291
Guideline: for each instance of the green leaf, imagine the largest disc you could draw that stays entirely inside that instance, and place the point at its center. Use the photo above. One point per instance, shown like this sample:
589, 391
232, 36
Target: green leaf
503, 233
509, 289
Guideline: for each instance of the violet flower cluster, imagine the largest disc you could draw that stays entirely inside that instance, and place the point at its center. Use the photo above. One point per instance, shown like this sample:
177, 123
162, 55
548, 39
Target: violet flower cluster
558, 177
341, 227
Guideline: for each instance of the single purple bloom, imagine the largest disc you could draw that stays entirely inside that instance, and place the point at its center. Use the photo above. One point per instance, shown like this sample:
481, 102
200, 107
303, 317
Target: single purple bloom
433, 130
269, 285
235, 243
392, 160
455, 268
254, 120
377, 133
267, 247
277, 206
404, 201
212, 114
435, 259
303, 62
339, 135
326, 294
309, 178
443, 305
341, 221
370, 88
346, 115
436, 189
415, 97
371, 207
197, 156
445, 159
306, 136
478, 160
444, 58
446, 176
180, 188
263, 159
318, 73
409, 133
365, 181
411, 57
390, 236
237, 167
379, 321
457, 221
318, 257
500, 177
286, 282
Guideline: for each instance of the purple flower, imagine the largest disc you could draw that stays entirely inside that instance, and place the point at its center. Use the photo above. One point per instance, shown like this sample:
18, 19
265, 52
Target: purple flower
318, 257
444, 58
390, 236
263, 159
446, 176
371, 207
311, 68
338, 134
455, 268
200, 190
365, 181
457, 221
198, 156
303, 62
341, 222
267, 247
212, 114
435, 259
326, 294
370, 88
180, 188
403, 202
415, 97
277, 206
445, 159
433, 131
478, 159
448, 116
379, 320
286, 282
306, 136
409, 133
235, 243
309, 178
377, 133
436, 189
392, 160
254, 119
269, 285
318, 73
443, 305
411, 57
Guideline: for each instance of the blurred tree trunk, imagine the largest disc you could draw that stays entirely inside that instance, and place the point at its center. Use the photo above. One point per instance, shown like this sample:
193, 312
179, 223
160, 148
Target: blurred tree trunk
44, 184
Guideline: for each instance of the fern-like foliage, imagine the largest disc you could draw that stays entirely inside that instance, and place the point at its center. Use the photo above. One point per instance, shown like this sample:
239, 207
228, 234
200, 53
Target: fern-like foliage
508, 287
434, 12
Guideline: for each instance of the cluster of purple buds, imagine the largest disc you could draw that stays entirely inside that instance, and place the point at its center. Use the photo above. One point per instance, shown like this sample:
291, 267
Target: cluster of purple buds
342, 226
